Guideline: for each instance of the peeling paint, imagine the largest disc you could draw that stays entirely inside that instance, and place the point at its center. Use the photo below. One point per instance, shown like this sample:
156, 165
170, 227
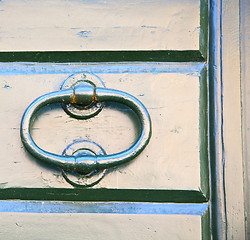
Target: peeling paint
144, 26
84, 34
6, 86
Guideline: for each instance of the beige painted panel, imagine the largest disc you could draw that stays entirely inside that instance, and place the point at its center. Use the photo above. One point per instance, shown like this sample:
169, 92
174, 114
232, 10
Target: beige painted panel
99, 226
56, 25
172, 160
245, 73
232, 121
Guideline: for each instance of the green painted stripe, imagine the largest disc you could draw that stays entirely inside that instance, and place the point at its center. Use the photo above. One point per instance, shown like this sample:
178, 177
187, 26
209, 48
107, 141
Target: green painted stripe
103, 56
127, 195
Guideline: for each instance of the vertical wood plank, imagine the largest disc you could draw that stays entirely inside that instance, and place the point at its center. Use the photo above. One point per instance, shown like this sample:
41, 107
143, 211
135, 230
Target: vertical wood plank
232, 127
245, 73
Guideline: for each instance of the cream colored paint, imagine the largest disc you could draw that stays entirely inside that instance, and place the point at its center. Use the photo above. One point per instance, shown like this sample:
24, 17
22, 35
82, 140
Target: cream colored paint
99, 226
170, 161
232, 122
245, 73
59, 25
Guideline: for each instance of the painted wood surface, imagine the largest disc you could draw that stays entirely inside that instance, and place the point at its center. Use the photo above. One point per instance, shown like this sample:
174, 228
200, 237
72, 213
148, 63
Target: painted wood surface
245, 84
176, 102
103, 226
232, 120
173, 168
218, 209
58, 25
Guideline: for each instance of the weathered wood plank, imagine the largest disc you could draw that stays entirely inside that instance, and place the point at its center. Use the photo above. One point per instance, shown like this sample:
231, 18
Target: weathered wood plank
101, 226
111, 25
232, 120
172, 161
245, 84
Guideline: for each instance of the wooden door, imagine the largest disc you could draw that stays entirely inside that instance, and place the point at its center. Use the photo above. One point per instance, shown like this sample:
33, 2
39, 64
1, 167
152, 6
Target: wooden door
158, 52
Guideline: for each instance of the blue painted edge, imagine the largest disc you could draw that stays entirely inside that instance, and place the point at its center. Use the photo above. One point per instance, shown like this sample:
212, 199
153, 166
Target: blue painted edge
97, 68
18, 206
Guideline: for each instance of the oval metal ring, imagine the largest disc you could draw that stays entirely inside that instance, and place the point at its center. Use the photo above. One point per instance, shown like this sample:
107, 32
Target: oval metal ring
84, 94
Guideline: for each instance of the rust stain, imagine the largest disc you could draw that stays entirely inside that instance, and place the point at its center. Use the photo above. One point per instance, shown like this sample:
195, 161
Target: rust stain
94, 98
74, 97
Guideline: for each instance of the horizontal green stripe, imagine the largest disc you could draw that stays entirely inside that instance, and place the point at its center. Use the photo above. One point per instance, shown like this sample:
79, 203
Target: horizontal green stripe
128, 195
103, 56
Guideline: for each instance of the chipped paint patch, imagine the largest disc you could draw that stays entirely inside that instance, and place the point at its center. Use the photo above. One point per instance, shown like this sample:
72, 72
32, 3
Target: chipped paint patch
144, 26
6, 86
84, 34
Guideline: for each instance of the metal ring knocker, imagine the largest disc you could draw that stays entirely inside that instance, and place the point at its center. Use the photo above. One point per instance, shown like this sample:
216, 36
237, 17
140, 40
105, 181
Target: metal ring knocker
86, 94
